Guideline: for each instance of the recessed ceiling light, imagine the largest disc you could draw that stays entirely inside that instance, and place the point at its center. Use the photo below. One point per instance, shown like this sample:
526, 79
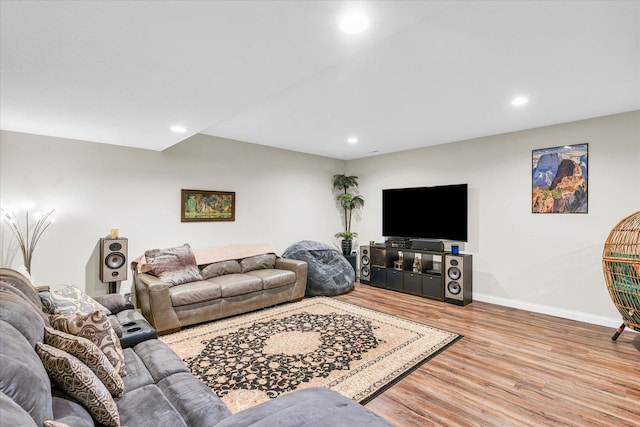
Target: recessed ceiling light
178, 129
352, 140
519, 100
354, 22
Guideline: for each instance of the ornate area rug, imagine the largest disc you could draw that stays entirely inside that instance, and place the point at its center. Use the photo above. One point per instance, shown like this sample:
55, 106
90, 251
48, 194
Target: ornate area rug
318, 341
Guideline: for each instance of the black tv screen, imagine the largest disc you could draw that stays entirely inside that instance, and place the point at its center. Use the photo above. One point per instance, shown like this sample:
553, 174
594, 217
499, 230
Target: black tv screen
438, 213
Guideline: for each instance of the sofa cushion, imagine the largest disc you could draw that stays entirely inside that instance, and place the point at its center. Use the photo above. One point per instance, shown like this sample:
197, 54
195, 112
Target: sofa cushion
89, 354
70, 299
96, 328
159, 359
36, 308
220, 268
174, 265
21, 314
71, 413
77, 380
272, 278
257, 262
148, 407
25, 370
194, 292
21, 283
237, 284
13, 414
195, 401
137, 373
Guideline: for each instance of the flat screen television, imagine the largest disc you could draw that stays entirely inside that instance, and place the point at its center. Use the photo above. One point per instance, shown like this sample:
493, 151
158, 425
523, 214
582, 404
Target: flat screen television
438, 213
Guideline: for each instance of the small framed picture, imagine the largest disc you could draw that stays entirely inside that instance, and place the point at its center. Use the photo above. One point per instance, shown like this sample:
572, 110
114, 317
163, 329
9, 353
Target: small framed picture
202, 205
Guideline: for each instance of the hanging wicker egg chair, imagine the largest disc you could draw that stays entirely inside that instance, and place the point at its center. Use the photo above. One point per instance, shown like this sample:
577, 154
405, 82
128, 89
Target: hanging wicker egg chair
621, 265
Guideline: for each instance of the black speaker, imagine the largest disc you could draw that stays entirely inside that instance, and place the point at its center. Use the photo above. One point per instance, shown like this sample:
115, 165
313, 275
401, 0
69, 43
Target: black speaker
113, 259
457, 279
365, 264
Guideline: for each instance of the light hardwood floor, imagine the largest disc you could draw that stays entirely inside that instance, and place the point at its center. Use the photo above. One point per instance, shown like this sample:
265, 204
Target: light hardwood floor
511, 368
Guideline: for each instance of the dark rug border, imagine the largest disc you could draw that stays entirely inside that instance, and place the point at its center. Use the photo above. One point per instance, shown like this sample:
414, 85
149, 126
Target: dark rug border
400, 377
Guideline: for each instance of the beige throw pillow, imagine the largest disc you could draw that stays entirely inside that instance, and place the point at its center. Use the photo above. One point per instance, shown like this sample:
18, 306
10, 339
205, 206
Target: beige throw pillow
96, 328
89, 354
78, 381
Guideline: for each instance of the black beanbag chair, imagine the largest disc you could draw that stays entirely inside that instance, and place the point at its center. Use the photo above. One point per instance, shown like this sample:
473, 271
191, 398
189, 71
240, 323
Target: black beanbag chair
329, 271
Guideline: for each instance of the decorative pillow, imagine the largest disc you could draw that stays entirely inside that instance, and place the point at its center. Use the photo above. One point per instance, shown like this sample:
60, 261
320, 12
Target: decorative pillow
258, 262
52, 423
70, 299
89, 354
96, 328
174, 265
78, 381
220, 268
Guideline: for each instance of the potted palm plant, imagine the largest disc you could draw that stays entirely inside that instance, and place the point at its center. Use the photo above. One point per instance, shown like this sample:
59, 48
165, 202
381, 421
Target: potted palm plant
348, 200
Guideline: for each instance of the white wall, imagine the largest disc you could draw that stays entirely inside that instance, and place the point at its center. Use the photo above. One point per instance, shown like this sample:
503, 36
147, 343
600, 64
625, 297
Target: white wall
543, 262
547, 263
281, 197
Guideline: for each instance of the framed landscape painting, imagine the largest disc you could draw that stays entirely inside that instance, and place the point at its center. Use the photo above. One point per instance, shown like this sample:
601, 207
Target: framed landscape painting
560, 179
201, 205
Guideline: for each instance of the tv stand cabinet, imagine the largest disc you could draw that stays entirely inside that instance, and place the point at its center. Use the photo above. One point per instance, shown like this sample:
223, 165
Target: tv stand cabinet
418, 272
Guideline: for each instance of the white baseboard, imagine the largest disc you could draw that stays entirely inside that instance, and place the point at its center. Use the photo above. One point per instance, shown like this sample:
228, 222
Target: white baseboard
552, 311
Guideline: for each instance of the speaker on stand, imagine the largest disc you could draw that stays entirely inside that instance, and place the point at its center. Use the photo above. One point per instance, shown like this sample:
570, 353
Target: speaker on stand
365, 264
113, 261
457, 279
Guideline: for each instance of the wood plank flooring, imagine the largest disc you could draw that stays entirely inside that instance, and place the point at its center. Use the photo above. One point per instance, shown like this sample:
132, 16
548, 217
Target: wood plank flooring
511, 368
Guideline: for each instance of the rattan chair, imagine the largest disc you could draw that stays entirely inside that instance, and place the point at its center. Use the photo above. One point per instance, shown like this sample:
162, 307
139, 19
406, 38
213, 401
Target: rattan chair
621, 265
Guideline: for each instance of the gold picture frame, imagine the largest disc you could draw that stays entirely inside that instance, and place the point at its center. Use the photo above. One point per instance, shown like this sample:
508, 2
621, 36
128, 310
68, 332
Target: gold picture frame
202, 205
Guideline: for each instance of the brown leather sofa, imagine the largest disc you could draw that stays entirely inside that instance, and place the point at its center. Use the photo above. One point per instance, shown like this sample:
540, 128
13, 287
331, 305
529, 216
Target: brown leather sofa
235, 279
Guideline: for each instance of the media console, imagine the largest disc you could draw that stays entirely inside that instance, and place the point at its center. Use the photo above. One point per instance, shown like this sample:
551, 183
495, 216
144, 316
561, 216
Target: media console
438, 275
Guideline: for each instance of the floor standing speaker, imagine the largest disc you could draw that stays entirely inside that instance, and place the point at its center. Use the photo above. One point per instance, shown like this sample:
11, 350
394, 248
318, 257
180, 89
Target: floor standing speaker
365, 264
458, 279
113, 259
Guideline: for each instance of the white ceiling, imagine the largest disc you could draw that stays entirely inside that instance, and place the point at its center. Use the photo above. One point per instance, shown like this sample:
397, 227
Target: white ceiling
282, 74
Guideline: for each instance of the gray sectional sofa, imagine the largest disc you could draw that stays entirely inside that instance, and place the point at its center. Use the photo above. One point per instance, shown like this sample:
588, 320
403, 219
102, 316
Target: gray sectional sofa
158, 389
177, 287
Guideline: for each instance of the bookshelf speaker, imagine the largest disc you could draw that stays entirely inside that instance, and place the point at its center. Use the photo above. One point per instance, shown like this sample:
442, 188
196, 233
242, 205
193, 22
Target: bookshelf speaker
113, 260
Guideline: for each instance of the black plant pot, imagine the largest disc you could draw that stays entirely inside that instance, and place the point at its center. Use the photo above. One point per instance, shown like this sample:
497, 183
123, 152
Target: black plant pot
346, 247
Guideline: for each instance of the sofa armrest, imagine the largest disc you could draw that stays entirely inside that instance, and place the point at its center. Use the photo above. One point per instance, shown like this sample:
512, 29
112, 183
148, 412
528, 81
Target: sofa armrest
115, 303
300, 268
310, 407
154, 300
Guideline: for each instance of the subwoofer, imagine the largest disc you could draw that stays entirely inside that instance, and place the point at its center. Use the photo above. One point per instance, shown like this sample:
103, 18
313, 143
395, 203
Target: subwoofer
457, 279
365, 264
113, 259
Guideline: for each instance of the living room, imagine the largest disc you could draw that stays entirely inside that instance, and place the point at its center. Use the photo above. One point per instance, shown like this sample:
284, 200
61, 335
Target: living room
550, 264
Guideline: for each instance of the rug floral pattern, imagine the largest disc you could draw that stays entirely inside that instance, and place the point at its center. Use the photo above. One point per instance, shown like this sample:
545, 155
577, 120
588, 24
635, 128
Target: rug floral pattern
254, 357
318, 341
